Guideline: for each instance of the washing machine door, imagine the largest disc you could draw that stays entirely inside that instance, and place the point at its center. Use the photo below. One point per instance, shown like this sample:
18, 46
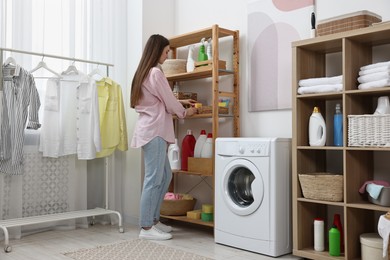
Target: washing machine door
242, 187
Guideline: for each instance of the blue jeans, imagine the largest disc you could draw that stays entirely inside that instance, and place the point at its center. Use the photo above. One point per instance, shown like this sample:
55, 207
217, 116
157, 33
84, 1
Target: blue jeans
158, 175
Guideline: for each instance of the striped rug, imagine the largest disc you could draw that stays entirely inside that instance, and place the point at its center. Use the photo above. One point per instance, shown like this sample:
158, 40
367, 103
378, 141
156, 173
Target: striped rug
133, 249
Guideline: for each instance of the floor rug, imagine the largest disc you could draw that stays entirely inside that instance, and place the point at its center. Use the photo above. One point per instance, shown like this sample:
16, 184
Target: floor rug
133, 249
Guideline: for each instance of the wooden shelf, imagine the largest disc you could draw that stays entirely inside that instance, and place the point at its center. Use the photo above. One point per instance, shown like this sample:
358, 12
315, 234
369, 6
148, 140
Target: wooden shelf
213, 73
189, 220
353, 50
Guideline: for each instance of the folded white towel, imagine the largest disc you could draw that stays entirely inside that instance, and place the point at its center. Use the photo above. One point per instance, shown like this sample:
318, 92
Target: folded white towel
375, 65
374, 77
321, 81
384, 232
375, 84
320, 89
374, 70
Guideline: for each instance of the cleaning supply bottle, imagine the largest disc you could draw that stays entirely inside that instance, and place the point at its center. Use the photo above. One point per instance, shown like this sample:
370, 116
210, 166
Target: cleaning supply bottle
334, 241
209, 49
187, 149
317, 128
190, 65
202, 56
337, 223
338, 127
207, 150
174, 156
319, 235
199, 143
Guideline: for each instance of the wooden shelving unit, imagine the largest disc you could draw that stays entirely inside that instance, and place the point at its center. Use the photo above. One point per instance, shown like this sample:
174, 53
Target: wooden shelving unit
214, 73
313, 58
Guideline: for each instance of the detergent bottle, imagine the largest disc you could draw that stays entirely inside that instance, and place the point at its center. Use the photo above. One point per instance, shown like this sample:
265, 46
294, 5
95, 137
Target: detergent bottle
317, 128
207, 149
199, 143
187, 149
174, 156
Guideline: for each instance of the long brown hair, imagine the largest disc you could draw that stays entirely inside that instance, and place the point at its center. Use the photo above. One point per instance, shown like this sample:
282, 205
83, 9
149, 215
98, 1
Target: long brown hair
152, 52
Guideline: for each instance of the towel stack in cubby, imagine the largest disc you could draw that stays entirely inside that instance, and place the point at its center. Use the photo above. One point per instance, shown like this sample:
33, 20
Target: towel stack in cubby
376, 75
320, 85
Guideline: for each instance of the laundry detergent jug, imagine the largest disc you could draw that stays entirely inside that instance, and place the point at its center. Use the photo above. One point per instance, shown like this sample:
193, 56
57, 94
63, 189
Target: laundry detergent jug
174, 156
317, 128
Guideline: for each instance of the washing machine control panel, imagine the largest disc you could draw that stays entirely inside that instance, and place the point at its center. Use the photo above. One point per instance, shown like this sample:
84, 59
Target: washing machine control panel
243, 149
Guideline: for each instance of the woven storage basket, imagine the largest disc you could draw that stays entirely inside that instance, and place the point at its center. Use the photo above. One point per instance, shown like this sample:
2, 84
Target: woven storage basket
177, 207
369, 130
174, 66
322, 186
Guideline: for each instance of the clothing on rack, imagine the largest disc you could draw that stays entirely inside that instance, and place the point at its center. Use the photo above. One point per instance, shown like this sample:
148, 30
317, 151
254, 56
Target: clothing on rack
20, 102
71, 118
113, 130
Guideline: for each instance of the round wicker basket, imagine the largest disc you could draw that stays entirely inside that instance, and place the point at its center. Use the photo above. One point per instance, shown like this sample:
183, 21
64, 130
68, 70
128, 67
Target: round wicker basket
174, 66
177, 207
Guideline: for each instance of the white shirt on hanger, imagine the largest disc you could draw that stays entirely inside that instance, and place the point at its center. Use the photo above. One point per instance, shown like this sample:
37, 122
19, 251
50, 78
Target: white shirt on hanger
71, 118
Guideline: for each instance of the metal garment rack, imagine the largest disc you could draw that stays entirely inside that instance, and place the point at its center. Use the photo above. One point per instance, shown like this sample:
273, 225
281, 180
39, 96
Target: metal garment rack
18, 222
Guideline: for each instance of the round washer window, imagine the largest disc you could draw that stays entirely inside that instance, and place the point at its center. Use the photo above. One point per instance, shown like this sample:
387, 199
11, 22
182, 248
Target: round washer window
240, 186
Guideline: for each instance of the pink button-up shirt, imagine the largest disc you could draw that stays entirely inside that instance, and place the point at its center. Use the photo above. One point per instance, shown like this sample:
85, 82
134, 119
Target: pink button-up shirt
155, 109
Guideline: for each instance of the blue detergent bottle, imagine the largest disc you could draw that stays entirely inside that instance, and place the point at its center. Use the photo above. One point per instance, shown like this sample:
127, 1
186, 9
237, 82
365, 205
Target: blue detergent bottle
338, 127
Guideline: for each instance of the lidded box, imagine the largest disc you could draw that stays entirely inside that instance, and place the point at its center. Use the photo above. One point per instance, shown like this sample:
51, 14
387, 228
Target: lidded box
347, 22
371, 246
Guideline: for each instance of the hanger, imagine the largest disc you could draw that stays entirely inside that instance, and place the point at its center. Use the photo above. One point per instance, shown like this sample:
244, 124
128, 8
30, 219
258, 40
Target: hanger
10, 60
71, 69
43, 65
96, 74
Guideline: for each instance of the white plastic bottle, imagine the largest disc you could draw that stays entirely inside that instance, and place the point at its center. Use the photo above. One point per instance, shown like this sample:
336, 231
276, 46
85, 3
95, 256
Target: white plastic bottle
319, 235
199, 143
174, 156
207, 150
190, 65
317, 129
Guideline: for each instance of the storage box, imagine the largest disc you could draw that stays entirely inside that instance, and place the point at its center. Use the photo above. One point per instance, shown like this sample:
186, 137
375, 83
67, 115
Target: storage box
347, 22
322, 186
177, 207
371, 246
208, 64
369, 130
383, 199
209, 110
203, 166
186, 95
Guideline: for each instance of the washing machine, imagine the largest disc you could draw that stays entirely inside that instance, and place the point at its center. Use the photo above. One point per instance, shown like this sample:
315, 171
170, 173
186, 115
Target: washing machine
253, 194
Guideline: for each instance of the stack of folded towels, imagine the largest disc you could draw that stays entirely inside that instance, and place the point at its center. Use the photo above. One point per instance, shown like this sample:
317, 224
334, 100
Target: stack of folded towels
375, 75
320, 85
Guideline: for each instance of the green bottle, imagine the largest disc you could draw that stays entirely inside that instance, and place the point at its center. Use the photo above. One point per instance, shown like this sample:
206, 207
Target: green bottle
334, 241
202, 56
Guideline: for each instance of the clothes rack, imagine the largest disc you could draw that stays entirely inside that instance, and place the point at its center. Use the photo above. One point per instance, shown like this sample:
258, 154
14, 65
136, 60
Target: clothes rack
24, 221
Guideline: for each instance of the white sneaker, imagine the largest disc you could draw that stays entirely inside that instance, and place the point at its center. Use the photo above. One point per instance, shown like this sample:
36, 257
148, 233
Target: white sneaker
154, 234
163, 227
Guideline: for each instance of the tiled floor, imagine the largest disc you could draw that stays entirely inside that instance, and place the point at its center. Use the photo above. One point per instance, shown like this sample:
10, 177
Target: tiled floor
51, 244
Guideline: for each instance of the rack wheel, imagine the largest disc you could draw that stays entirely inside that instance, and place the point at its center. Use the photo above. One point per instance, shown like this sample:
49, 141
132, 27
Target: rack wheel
7, 249
121, 230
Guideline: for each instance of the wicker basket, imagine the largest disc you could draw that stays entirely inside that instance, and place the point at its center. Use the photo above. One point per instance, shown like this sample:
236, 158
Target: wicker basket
174, 66
177, 207
322, 186
369, 130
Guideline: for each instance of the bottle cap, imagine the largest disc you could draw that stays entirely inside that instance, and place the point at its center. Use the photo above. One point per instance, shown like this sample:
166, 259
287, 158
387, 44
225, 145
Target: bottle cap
189, 132
203, 132
209, 135
316, 110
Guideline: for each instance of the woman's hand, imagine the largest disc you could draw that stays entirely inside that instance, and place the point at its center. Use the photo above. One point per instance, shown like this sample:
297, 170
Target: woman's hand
190, 102
191, 111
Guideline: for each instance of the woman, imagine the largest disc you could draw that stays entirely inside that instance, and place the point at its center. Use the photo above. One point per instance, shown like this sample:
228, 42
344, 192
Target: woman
153, 99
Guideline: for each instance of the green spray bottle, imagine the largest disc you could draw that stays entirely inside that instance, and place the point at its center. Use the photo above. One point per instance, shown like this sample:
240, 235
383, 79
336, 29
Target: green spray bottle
334, 241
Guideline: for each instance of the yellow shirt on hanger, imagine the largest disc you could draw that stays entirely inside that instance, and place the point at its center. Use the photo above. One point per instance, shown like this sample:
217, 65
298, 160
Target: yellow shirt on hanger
113, 130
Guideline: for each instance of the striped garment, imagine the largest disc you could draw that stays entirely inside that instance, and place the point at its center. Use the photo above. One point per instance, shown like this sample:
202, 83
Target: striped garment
20, 101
